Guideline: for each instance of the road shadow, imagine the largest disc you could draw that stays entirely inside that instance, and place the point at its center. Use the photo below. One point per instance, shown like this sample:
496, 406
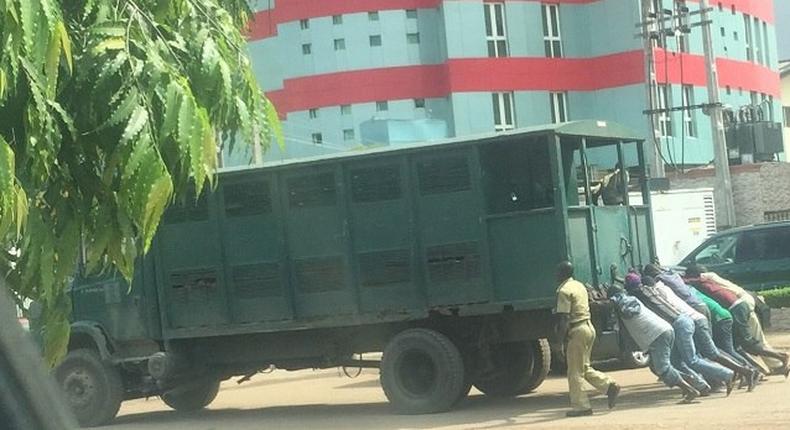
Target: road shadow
478, 411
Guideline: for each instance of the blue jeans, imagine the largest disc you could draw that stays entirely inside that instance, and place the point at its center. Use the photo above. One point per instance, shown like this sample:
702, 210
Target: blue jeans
722, 336
714, 373
660, 359
703, 339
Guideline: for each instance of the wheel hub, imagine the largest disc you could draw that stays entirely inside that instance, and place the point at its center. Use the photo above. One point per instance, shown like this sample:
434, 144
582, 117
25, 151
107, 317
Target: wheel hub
80, 388
417, 372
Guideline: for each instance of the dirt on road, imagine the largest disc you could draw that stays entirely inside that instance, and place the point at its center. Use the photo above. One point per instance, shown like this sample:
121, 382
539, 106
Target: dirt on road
330, 400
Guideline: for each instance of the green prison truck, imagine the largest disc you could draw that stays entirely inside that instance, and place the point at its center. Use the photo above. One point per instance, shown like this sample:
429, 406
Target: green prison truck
441, 256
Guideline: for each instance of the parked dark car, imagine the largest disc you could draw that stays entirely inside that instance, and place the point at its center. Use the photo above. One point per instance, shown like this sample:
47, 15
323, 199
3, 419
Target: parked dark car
755, 257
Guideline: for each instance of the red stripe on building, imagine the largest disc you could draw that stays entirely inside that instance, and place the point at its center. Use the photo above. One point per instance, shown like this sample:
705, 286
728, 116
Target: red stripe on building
546, 74
264, 23
688, 69
507, 74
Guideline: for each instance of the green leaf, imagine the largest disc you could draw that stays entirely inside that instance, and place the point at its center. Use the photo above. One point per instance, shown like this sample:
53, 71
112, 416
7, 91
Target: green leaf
21, 210
273, 121
113, 29
136, 123
124, 109
65, 43
110, 44
161, 193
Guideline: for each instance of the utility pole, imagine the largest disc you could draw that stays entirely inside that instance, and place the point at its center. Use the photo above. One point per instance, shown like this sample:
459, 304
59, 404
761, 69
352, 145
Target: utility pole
725, 206
654, 27
649, 26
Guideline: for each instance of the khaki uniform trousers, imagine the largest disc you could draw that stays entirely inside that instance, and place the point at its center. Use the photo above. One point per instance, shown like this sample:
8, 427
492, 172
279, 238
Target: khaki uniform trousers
581, 337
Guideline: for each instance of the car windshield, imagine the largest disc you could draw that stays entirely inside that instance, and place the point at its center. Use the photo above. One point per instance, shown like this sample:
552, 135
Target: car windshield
718, 251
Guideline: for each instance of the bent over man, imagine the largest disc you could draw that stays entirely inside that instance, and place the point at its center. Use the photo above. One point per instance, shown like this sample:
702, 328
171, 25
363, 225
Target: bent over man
652, 334
578, 334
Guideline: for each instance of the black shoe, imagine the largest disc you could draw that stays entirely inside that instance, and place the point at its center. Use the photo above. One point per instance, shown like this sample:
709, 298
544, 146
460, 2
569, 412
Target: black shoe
689, 395
753, 378
581, 413
730, 385
612, 393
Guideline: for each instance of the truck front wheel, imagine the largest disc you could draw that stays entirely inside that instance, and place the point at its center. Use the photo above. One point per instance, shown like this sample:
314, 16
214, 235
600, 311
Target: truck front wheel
422, 372
193, 396
519, 368
93, 388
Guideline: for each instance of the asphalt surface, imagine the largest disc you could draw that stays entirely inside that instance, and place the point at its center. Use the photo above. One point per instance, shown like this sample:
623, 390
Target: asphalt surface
330, 400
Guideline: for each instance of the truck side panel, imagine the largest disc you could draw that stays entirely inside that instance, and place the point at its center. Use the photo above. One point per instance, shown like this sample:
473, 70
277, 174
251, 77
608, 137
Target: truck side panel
384, 246
253, 242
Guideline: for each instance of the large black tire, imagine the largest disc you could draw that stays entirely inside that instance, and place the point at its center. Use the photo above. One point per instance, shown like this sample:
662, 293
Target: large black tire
541, 365
93, 388
193, 396
520, 368
422, 372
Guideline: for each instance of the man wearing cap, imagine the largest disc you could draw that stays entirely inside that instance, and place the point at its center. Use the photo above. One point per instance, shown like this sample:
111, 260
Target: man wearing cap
578, 334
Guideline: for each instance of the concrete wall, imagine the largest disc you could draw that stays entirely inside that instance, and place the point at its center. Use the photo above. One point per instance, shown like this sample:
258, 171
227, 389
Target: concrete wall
756, 188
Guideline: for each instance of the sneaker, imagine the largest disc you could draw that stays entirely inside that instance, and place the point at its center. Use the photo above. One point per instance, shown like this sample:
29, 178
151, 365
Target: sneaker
579, 413
612, 393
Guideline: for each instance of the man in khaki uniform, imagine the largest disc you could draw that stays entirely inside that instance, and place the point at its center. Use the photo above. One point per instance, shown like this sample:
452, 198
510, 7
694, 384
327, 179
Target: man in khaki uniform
578, 334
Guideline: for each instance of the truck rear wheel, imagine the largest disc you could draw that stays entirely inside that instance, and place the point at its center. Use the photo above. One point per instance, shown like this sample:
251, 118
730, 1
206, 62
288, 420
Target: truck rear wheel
520, 368
93, 388
422, 372
193, 396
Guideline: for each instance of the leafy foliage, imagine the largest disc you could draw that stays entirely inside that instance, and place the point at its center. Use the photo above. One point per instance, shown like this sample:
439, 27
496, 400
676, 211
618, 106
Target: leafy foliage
777, 298
109, 108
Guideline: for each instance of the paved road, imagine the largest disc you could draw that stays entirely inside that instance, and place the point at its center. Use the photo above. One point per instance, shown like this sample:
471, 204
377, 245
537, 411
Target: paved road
327, 400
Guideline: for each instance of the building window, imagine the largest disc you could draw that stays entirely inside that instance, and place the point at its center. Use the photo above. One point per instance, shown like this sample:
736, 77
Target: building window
559, 107
318, 139
411, 13
747, 31
382, 106
503, 111
419, 103
373, 16
688, 113
767, 45
307, 49
552, 39
758, 42
337, 19
304, 24
729, 90
735, 36
348, 134
664, 116
723, 31
340, 44
313, 113
413, 38
375, 40
345, 109
496, 36
786, 110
